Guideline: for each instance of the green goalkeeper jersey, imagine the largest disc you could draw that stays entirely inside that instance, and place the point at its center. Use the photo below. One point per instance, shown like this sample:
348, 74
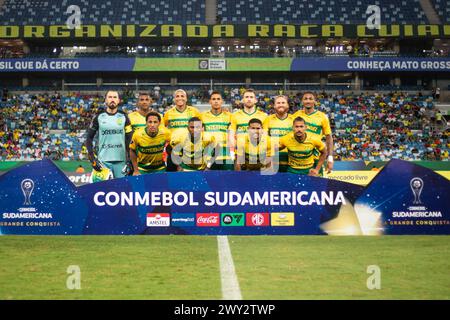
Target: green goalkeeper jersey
111, 130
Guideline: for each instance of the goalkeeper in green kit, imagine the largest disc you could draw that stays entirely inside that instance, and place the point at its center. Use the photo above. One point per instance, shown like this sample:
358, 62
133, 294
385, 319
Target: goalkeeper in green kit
114, 135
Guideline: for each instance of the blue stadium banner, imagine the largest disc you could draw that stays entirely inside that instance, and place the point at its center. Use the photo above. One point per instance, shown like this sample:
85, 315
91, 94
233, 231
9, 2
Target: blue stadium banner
58, 65
37, 198
330, 64
377, 64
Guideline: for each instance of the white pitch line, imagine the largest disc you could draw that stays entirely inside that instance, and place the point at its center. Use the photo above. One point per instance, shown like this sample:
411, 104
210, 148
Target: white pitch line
228, 277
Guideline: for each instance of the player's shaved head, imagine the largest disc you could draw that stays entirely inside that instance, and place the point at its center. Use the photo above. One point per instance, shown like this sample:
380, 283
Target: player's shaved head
178, 91
180, 99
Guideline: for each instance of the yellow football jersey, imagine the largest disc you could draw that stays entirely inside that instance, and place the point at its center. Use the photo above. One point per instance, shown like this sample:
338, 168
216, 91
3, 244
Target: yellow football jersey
149, 149
219, 126
300, 154
241, 119
138, 121
276, 127
251, 156
317, 122
192, 156
177, 121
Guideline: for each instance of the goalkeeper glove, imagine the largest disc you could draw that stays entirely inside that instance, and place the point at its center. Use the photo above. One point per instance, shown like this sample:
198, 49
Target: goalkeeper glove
96, 165
128, 169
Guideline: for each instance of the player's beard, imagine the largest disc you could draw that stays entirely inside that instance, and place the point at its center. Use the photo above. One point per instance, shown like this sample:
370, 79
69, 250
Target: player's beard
112, 106
145, 109
281, 113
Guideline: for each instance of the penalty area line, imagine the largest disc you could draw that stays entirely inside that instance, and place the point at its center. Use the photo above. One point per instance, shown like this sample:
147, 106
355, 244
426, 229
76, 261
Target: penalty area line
228, 277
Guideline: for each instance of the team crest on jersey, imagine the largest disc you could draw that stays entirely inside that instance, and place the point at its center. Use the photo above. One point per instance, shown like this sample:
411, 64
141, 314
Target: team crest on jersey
120, 121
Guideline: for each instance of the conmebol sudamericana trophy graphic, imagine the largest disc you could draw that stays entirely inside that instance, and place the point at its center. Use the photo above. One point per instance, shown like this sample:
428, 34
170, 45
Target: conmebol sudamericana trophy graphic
416, 187
27, 186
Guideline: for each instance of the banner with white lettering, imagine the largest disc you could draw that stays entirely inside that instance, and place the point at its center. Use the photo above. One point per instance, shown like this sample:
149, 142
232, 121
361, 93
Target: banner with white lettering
375, 64
57, 65
371, 64
37, 198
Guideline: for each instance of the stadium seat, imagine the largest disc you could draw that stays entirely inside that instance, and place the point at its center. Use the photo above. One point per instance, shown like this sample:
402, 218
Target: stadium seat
349, 113
305, 11
23, 12
442, 8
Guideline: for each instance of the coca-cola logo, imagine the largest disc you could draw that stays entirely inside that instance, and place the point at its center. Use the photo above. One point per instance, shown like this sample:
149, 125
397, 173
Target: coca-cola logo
207, 219
211, 219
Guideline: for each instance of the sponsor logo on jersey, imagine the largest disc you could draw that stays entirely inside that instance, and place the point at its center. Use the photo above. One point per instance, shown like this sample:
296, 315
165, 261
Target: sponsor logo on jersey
111, 131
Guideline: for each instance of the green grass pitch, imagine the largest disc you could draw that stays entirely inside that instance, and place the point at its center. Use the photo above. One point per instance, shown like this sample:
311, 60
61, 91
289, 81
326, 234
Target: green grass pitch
187, 267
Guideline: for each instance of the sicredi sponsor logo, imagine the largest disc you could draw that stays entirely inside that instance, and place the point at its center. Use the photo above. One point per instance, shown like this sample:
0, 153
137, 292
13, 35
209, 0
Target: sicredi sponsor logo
282, 219
208, 220
183, 220
232, 219
158, 220
257, 219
